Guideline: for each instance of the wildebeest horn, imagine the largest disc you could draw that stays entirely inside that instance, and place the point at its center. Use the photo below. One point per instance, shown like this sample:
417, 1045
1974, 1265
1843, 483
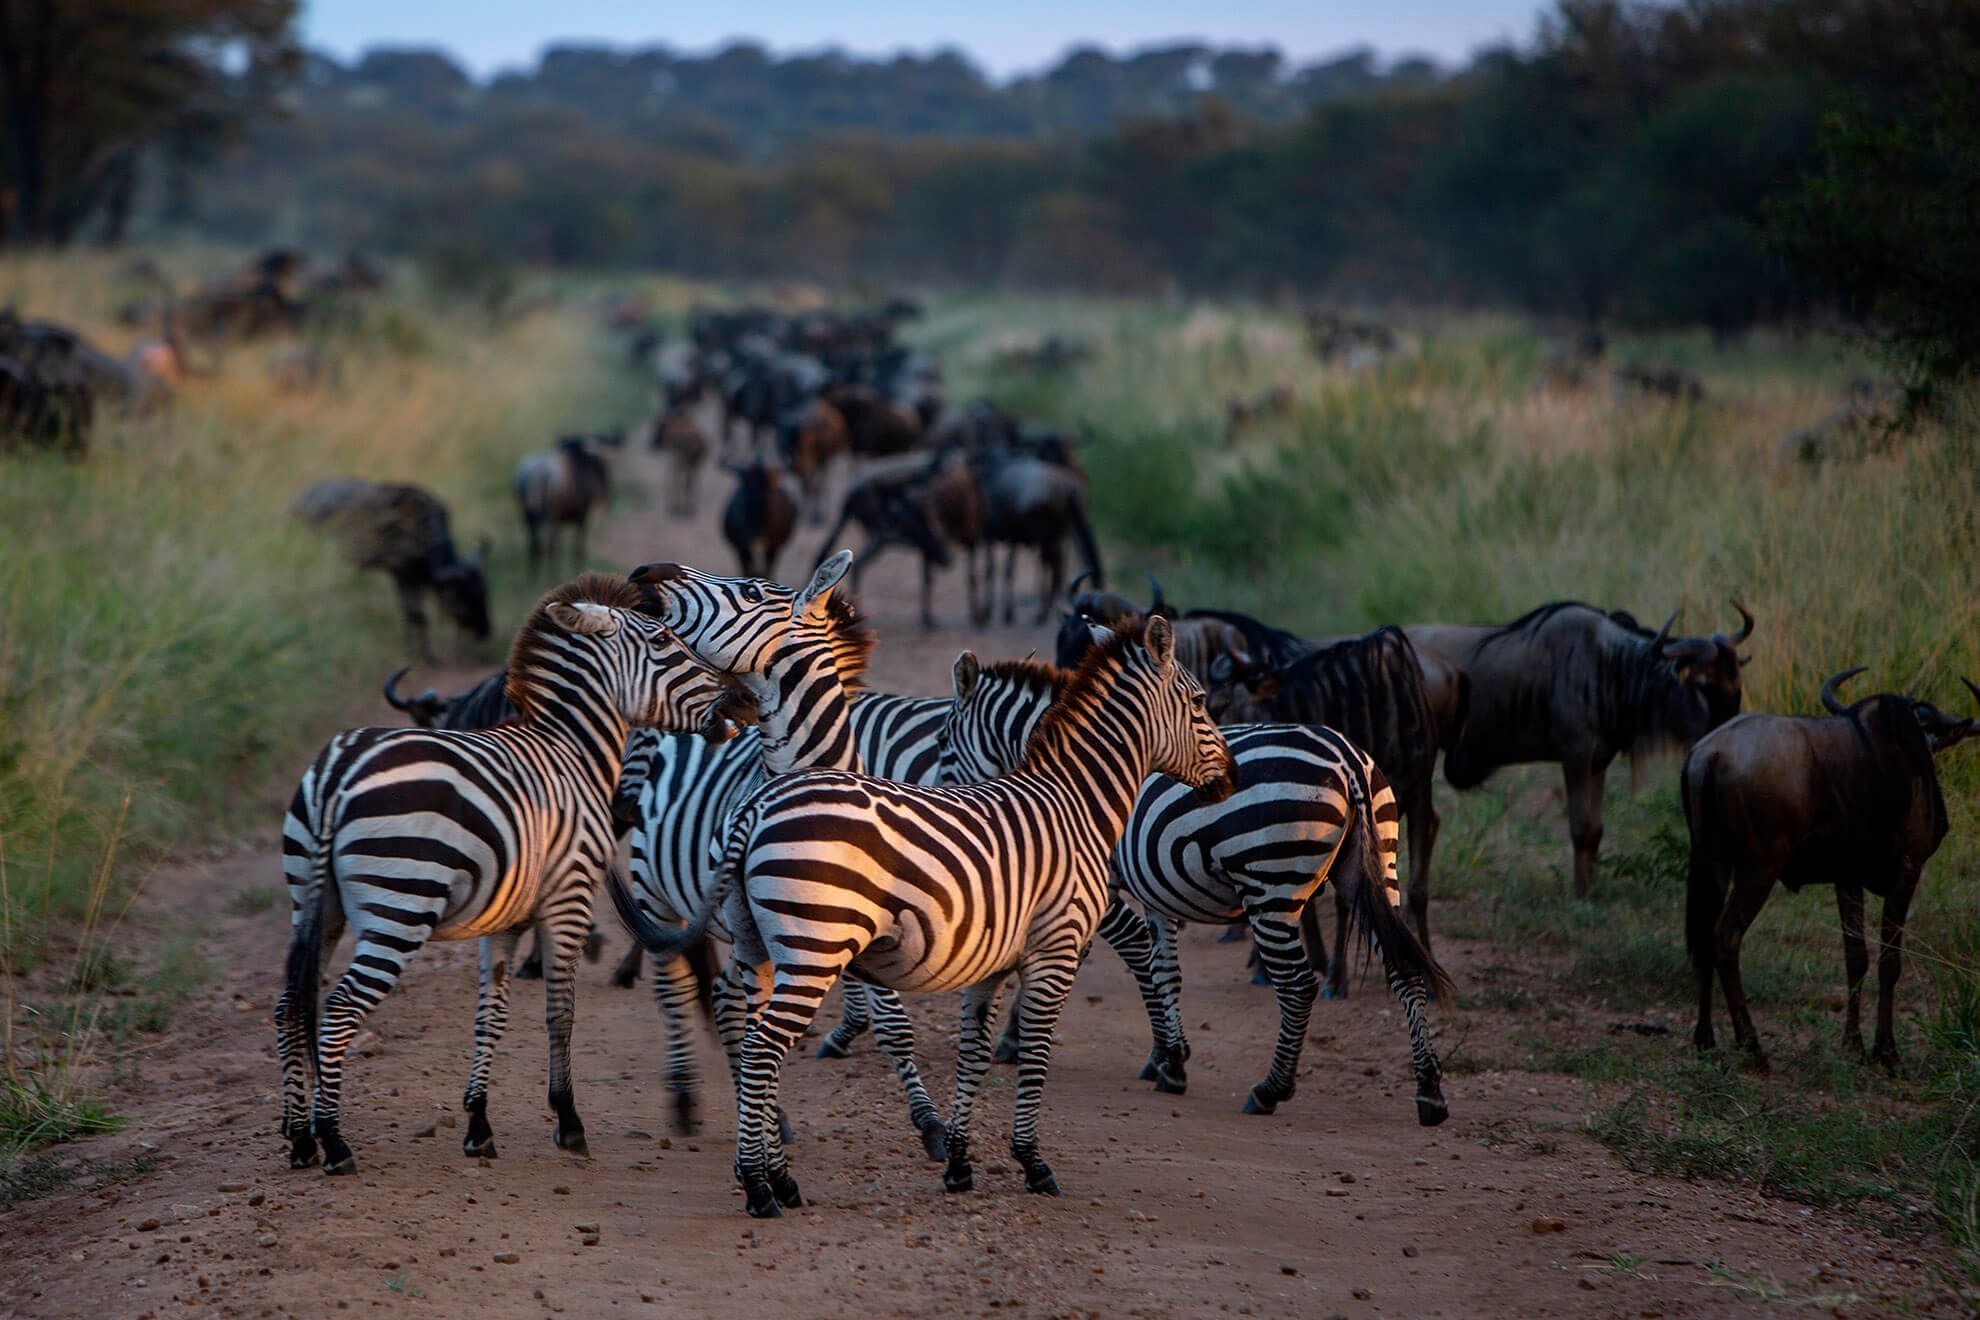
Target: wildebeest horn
1155, 602
1664, 633
1971, 688
1072, 588
392, 697
1829, 698
1746, 622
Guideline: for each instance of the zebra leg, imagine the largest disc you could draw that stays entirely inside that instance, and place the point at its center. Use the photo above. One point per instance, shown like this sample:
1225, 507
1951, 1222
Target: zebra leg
491, 1019
1046, 981
895, 1033
979, 1002
1430, 1107
1165, 986
1284, 957
674, 993
737, 993
1127, 934
565, 934
760, 1158
376, 965
857, 1017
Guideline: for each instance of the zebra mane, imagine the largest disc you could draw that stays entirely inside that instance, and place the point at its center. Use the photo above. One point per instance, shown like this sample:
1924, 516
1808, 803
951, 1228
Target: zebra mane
850, 637
1081, 685
1035, 677
533, 642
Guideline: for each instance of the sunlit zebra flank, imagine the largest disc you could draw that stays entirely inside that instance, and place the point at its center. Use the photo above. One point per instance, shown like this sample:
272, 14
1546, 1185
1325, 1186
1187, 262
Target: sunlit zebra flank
418, 834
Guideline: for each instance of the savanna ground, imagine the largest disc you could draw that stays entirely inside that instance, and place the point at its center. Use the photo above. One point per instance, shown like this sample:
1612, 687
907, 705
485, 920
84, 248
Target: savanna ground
173, 647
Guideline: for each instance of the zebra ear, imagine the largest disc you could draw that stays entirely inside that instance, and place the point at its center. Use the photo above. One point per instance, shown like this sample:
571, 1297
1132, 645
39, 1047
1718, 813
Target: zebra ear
825, 577
965, 673
584, 617
1160, 639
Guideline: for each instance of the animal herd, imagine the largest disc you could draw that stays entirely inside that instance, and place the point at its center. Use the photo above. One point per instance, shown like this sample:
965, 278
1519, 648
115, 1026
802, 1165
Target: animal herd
1168, 766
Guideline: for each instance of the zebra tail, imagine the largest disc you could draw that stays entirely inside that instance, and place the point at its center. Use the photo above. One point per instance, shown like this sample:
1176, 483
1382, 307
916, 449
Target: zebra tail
656, 937
305, 969
1379, 919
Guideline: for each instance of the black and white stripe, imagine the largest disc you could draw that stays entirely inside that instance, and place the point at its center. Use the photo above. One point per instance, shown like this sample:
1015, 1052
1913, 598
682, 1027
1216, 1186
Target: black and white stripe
414, 834
935, 889
1312, 806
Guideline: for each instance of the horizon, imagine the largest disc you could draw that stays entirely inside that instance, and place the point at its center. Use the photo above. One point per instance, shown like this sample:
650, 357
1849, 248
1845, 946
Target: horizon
1023, 38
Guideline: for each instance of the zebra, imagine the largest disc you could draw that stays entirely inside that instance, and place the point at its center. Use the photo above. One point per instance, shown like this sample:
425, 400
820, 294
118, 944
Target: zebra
800, 655
935, 889
1309, 796
416, 834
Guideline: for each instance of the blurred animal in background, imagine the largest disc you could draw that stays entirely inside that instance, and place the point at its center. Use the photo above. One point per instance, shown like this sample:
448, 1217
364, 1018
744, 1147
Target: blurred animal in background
1569, 684
809, 438
928, 503
1356, 345
680, 437
1239, 414
563, 487
1669, 384
1851, 800
1572, 363
760, 515
404, 531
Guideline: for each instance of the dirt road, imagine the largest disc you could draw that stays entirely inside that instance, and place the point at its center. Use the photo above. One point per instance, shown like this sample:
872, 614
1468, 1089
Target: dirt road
1340, 1204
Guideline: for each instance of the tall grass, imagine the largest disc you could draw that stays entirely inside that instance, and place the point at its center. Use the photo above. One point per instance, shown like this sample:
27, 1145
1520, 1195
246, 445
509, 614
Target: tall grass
1444, 486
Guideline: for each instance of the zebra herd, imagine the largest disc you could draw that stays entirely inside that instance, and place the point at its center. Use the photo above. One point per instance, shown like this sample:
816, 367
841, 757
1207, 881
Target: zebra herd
882, 842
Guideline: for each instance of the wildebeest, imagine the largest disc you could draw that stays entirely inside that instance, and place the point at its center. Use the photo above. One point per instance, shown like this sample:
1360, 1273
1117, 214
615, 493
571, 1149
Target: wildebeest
680, 437
1032, 504
1850, 799
562, 487
876, 426
930, 504
760, 515
808, 439
482, 706
1569, 684
403, 530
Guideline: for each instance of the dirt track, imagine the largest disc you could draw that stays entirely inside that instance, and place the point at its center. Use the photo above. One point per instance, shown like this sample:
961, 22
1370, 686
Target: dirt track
1173, 1205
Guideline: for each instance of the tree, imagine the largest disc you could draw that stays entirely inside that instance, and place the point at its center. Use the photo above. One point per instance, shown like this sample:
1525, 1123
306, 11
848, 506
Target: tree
90, 88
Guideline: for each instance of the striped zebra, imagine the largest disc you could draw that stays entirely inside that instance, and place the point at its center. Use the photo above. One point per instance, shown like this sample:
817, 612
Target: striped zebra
935, 889
800, 655
416, 834
1312, 805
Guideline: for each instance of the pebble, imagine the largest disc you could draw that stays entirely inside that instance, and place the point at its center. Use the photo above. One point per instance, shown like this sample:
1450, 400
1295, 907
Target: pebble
1546, 1225
507, 1258
589, 1239
1362, 1294
1289, 1269
256, 1198
560, 1191
145, 1226
585, 1228
430, 1130
1337, 1191
666, 1143
1410, 1251
638, 1134
1347, 1178
266, 1239
233, 1187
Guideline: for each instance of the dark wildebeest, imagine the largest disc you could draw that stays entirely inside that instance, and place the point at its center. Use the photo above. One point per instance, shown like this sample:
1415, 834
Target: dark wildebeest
1034, 505
681, 439
1850, 799
876, 426
482, 706
809, 437
1569, 684
929, 504
403, 531
1369, 689
562, 487
760, 515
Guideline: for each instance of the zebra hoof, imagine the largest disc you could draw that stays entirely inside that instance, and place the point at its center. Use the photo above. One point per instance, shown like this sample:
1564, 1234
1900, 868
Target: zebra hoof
479, 1150
762, 1201
1260, 1101
935, 1139
337, 1168
958, 1177
573, 1143
1005, 1052
786, 1190
1169, 1084
1431, 1110
302, 1152
1153, 1068
831, 1049
1038, 1179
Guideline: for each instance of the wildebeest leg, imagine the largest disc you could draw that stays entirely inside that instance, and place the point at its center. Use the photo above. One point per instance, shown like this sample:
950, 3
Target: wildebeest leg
1890, 961
1422, 826
1705, 902
983, 560
1051, 575
412, 608
1010, 584
927, 593
1856, 962
534, 531
1584, 807
627, 972
1749, 895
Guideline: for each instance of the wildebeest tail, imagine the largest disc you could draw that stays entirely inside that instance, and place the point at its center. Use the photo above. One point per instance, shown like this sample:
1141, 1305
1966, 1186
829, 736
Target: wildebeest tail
1377, 905
1702, 898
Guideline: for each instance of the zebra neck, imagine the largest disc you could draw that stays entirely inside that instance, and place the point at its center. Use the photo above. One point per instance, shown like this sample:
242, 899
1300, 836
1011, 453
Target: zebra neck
1102, 758
586, 728
804, 715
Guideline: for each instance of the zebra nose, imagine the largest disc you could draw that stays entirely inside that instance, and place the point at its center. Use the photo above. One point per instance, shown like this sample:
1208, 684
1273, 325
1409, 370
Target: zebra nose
654, 574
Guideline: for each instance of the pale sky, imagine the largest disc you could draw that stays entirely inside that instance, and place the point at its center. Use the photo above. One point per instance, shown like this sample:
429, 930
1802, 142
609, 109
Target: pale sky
1004, 36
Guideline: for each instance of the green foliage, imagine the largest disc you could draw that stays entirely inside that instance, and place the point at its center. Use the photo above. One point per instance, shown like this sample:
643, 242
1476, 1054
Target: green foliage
35, 1112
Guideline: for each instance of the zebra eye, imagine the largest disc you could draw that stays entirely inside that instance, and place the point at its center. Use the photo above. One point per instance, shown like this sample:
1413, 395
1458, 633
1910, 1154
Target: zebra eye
752, 593
1197, 701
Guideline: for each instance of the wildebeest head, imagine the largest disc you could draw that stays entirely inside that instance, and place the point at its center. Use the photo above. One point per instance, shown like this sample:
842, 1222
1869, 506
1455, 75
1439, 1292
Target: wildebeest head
425, 710
462, 590
1940, 729
1707, 692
